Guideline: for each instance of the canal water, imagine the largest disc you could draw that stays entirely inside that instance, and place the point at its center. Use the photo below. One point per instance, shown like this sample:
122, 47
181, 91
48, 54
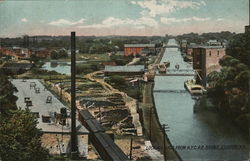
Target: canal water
204, 135
60, 67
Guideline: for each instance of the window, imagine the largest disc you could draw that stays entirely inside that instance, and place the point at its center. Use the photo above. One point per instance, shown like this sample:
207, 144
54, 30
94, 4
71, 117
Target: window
209, 53
218, 53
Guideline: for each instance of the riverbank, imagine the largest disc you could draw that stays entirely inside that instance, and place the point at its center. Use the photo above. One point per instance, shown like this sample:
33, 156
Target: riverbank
151, 124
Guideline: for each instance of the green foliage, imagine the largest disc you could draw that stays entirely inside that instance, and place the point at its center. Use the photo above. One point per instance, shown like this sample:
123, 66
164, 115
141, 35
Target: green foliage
7, 99
88, 68
229, 88
120, 59
203, 38
117, 80
239, 48
62, 53
20, 139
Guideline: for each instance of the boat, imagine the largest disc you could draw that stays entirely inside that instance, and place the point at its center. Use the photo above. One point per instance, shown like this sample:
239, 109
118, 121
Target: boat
194, 89
167, 64
162, 68
177, 66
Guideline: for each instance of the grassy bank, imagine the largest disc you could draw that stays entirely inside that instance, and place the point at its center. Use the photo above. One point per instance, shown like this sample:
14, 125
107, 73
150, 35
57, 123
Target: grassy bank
157, 138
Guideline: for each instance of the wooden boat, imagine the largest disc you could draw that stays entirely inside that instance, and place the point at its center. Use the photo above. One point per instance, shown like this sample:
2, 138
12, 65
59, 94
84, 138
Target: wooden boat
194, 89
162, 68
167, 64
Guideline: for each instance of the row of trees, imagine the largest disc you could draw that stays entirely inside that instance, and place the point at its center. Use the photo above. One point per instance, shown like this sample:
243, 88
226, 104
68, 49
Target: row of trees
229, 88
203, 38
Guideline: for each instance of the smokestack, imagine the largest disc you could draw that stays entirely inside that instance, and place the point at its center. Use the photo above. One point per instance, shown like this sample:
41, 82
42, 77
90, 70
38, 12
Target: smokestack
73, 148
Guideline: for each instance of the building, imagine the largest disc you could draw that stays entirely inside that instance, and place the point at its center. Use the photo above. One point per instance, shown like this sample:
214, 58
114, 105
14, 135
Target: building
247, 29
183, 46
53, 118
124, 70
40, 52
206, 59
214, 43
138, 49
189, 51
15, 52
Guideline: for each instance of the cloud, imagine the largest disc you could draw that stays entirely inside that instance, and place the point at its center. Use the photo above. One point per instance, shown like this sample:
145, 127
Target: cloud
175, 20
158, 7
220, 19
133, 2
24, 20
64, 22
112, 21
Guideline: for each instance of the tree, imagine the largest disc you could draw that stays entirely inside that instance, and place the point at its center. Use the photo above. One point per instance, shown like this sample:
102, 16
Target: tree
20, 139
118, 80
7, 99
229, 88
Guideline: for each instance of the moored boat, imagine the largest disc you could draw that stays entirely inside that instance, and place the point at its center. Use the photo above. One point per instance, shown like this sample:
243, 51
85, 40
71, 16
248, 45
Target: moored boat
194, 89
167, 64
162, 68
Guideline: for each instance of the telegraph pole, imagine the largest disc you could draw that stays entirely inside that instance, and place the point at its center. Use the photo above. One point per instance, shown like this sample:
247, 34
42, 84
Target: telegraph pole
165, 128
73, 143
150, 124
131, 148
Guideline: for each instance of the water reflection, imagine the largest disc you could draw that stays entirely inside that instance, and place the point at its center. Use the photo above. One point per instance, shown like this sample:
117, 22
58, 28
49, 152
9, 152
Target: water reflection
191, 122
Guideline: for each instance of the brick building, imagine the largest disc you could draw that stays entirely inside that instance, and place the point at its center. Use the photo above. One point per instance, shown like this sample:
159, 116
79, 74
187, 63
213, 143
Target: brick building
206, 59
138, 49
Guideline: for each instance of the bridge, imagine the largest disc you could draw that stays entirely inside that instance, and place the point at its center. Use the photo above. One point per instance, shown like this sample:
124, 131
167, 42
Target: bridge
176, 72
169, 91
171, 46
173, 74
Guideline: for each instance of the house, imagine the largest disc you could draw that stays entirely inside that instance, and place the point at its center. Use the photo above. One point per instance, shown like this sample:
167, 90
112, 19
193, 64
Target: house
138, 49
15, 52
124, 70
206, 59
40, 52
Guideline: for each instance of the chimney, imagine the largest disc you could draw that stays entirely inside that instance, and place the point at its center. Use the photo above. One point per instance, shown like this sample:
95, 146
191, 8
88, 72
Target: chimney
73, 140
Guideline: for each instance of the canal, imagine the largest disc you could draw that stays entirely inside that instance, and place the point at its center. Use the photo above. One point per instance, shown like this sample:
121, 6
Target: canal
203, 135
60, 66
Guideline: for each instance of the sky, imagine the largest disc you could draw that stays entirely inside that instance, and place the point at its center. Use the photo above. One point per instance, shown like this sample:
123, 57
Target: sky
121, 17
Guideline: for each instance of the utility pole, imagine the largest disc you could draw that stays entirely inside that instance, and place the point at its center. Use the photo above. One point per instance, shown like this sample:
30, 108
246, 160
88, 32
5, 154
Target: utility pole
131, 148
73, 143
61, 90
150, 124
100, 115
164, 129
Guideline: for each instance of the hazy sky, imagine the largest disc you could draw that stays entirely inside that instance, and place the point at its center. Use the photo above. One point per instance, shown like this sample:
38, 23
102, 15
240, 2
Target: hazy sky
121, 17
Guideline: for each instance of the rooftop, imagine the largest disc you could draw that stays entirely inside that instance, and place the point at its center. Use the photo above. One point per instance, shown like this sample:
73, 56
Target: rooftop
206, 47
40, 107
139, 45
126, 68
